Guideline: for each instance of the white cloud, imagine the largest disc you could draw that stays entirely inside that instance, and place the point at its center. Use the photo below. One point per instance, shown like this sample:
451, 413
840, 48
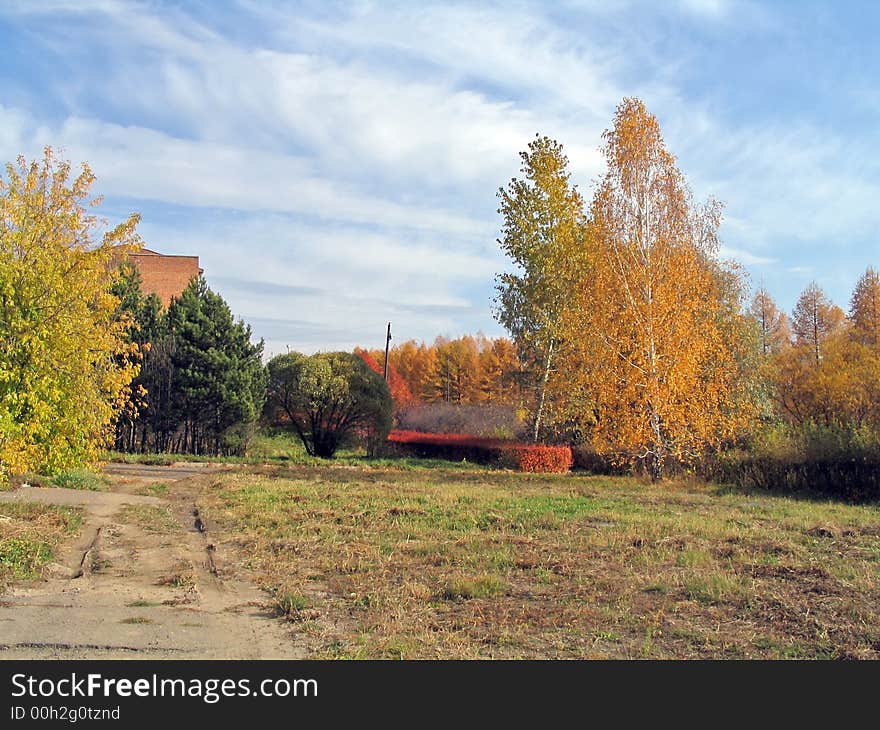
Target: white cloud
142, 163
364, 145
745, 257
359, 118
275, 268
709, 8
785, 181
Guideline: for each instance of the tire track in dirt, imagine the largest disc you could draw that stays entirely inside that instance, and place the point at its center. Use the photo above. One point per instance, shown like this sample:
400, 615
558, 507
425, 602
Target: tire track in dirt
142, 578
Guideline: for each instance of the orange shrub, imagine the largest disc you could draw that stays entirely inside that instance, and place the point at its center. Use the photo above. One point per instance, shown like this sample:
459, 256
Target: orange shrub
458, 446
543, 459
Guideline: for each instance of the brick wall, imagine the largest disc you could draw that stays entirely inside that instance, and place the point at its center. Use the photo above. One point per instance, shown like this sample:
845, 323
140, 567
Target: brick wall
165, 276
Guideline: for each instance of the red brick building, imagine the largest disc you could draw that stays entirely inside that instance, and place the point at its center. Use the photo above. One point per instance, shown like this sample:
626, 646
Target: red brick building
165, 276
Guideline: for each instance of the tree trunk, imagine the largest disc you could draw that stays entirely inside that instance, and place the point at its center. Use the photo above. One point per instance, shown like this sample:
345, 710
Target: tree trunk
539, 414
655, 467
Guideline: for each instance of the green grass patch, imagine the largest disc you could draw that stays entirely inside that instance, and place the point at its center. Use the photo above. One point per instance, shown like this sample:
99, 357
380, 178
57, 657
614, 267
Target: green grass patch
21, 557
29, 537
159, 489
289, 604
716, 588
80, 479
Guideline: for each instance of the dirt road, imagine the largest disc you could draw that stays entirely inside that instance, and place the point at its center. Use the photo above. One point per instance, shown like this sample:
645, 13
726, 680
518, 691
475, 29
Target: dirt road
144, 579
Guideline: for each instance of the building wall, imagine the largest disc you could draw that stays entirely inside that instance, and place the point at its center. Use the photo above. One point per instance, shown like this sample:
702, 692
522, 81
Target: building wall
165, 276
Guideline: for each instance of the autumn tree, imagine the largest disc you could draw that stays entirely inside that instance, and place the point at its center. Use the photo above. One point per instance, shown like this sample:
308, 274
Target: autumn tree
830, 379
802, 377
415, 363
455, 377
865, 309
841, 392
772, 323
543, 235
814, 319
498, 371
468, 370
63, 352
400, 392
657, 344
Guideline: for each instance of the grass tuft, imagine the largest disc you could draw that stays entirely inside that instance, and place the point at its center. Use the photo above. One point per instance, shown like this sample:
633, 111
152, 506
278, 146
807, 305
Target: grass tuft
289, 605
29, 537
80, 479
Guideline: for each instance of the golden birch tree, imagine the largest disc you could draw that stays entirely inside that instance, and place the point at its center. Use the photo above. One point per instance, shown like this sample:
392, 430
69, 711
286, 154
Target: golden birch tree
656, 333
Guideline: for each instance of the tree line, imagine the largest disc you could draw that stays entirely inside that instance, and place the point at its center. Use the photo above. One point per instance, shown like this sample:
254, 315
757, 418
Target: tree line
638, 337
823, 364
468, 370
88, 362
629, 335
201, 383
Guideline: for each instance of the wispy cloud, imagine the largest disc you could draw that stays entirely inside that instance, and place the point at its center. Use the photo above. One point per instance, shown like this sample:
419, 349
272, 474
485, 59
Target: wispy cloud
338, 164
745, 257
709, 8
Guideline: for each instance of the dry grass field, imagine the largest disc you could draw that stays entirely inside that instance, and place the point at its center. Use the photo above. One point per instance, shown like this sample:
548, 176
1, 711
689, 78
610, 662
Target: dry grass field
457, 563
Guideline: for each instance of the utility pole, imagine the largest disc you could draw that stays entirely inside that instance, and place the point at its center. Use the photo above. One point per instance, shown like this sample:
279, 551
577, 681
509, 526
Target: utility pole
387, 343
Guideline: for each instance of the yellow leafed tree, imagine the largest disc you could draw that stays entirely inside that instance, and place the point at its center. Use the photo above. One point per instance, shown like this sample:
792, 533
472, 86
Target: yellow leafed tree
831, 376
63, 363
815, 319
655, 334
772, 324
865, 309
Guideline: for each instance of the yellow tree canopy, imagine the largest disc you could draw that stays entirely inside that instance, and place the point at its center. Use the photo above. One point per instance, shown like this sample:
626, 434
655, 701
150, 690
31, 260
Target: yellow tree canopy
814, 320
772, 323
63, 370
865, 309
831, 376
655, 335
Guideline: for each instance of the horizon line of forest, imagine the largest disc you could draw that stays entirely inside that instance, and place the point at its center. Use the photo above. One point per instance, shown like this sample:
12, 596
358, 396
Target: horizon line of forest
629, 336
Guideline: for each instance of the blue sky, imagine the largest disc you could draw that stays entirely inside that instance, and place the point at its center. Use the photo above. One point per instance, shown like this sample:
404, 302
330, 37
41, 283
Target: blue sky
335, 165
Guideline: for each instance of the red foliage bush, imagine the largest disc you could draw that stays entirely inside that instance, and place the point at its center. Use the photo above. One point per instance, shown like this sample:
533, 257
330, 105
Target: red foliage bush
458, 446
544, 459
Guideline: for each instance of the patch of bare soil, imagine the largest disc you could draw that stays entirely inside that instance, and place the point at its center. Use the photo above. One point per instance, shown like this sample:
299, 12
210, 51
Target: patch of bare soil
142, 580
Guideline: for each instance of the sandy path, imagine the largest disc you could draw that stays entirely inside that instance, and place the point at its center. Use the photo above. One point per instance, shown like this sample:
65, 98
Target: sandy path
142, 580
